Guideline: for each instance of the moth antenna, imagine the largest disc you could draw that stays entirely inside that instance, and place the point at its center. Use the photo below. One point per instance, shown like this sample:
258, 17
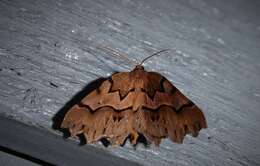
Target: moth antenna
154, 55
116, 53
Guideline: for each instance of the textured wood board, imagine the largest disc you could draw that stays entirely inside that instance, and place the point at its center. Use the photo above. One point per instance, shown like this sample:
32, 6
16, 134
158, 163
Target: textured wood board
48, 53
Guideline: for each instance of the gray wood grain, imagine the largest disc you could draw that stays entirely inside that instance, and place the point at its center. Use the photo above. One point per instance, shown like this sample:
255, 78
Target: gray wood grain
49, 52
44, 148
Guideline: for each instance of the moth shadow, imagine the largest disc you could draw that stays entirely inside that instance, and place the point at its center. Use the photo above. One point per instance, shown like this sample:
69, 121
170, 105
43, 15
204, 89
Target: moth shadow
59, 116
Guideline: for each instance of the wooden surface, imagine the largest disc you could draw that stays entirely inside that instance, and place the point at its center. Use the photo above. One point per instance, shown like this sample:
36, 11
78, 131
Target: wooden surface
43, 148
50, 50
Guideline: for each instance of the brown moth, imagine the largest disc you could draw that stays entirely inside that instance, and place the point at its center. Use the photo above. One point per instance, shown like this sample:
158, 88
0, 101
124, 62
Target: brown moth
135, 103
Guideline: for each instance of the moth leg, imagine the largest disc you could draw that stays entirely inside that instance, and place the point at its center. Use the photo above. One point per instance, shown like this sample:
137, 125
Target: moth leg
133, 137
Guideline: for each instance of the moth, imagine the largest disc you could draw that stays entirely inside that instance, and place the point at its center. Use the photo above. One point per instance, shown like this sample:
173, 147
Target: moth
134, 104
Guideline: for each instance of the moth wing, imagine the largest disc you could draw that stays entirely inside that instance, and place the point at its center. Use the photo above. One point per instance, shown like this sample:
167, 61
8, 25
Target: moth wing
97, 117
112, 92
168, 114
103, 123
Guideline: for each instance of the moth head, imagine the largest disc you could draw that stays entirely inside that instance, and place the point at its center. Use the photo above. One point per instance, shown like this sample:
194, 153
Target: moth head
139, 67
